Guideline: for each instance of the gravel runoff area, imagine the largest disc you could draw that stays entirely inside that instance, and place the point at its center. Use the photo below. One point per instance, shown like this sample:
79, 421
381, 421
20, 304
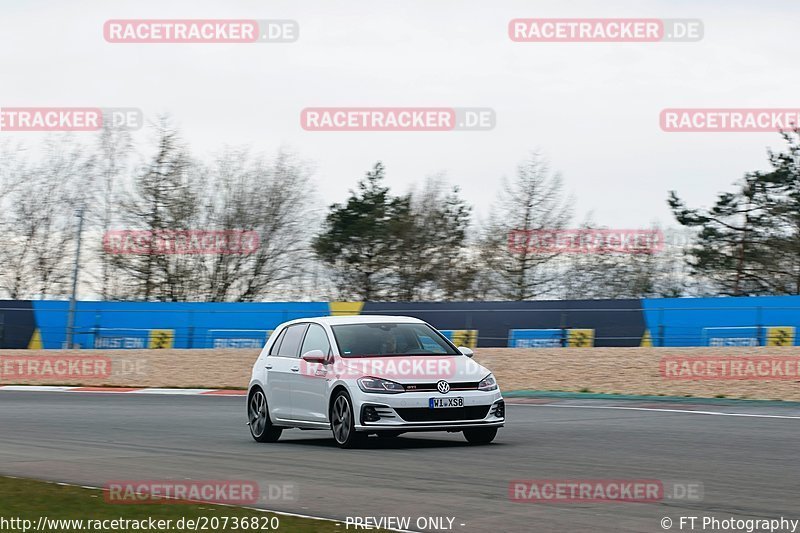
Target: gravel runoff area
600, 370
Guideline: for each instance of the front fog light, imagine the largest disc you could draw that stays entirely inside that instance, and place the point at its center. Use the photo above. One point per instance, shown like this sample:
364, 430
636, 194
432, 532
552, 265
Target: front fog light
369, 414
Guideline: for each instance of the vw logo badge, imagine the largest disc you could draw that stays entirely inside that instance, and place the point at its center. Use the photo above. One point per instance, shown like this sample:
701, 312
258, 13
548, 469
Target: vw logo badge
443, 386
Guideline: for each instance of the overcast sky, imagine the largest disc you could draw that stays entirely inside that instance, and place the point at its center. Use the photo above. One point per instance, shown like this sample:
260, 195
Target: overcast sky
592, 108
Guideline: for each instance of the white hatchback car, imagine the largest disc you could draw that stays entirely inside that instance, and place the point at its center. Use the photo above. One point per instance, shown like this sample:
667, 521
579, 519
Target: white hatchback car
362, 375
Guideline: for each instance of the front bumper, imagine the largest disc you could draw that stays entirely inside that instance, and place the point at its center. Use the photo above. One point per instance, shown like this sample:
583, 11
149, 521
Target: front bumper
410, 411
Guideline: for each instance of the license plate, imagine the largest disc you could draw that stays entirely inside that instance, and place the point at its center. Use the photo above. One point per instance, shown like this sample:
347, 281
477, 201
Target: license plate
444, 403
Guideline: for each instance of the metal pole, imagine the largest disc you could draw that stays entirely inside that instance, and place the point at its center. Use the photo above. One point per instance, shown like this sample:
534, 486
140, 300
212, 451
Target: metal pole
71, 313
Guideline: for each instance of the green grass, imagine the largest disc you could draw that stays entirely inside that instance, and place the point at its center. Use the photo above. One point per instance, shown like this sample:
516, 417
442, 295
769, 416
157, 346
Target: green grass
28, 499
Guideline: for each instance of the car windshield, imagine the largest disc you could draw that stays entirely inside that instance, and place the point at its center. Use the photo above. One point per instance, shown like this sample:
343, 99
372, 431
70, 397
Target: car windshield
389, 339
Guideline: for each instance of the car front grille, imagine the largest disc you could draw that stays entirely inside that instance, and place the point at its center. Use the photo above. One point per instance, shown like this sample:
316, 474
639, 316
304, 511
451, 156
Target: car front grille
424, 414
431, 387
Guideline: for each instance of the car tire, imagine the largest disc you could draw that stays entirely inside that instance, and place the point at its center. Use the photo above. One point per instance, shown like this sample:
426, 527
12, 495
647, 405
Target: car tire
480, 435
258, 420
343, 422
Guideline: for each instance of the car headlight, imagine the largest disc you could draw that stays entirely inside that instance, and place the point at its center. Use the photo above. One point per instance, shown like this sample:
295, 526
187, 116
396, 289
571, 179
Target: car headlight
382, 386
488, 383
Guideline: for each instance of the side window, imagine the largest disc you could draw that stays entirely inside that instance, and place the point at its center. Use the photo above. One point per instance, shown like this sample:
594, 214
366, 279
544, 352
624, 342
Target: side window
316, 339
291, 341
277, 344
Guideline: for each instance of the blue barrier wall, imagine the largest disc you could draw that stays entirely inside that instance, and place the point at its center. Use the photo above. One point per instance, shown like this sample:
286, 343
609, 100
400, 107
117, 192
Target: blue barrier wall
103, 324
613, 322
670, 322
689, 321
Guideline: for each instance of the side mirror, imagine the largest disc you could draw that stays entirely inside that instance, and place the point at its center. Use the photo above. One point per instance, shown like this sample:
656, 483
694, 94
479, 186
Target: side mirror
315, 356
466, 351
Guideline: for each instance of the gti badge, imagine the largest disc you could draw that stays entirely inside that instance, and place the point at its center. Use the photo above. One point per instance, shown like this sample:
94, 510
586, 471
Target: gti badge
443, 386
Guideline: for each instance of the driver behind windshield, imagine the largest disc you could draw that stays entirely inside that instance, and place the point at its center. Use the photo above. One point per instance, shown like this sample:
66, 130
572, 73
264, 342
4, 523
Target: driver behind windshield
389, 343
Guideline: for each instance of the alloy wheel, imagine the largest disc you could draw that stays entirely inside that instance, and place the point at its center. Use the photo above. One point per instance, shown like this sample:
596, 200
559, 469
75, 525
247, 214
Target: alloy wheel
257, 414
341, 419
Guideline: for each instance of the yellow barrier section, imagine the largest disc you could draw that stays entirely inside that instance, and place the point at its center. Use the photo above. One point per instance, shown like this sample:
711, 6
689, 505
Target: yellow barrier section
161, 339
780, 336
465, 337
345, 308
580, 338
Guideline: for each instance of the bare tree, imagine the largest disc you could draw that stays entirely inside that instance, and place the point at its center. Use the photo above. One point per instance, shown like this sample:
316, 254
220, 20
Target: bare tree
166, 197
274, 199
651, 271
39, 221
113, 148
532, 201
14, 171
13, 168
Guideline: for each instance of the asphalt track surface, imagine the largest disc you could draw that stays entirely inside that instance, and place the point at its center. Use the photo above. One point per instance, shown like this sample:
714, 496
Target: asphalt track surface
748, 465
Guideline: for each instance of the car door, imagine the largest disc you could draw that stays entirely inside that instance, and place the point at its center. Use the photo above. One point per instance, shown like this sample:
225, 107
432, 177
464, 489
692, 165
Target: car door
310, 389
281, 365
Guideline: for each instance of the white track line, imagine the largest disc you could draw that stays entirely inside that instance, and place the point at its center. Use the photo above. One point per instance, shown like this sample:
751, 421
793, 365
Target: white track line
686, 411
510, 401
180, 392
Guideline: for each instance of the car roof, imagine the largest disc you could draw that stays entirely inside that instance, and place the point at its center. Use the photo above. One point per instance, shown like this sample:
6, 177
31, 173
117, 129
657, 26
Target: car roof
358, 319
